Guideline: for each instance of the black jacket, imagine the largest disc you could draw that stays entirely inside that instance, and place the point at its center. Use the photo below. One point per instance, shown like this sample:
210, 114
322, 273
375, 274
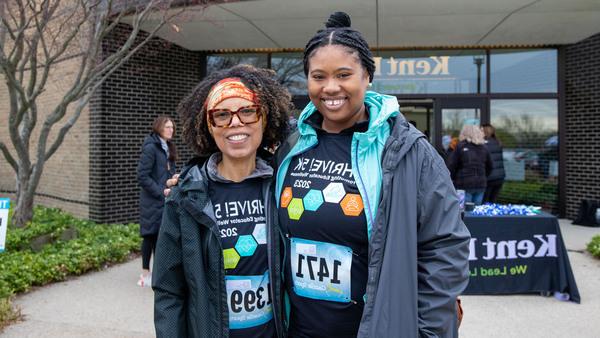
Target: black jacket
495, 150
154, 169
469, 165
190, 297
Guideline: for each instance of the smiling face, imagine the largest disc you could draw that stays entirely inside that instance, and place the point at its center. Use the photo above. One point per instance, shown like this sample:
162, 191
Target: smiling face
337, 83
239, 141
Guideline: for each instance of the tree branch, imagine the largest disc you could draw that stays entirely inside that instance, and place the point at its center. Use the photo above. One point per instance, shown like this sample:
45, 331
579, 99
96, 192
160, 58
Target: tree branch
123, 54
66, 127
83, 92
9, 158
50, 61
17, 52
71, 12
131, 38
22, 151
6, 24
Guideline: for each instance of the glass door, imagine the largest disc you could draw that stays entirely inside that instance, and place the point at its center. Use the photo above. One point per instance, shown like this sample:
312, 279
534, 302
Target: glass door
420, 114
453, 114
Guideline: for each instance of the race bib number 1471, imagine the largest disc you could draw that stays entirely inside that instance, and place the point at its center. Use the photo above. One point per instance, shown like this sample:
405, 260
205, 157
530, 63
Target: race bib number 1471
321, 270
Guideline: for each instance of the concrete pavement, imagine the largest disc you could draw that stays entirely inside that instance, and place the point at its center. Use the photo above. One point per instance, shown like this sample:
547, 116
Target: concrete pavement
110, 304
100, 304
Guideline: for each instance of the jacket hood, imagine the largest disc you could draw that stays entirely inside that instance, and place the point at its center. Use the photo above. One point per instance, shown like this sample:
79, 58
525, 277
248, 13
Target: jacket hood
196, 176
262, 170
151, 139
381, 108
403, 136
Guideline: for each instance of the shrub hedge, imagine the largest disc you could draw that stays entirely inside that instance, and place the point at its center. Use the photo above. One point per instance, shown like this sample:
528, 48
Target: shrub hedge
95, 246
594, 246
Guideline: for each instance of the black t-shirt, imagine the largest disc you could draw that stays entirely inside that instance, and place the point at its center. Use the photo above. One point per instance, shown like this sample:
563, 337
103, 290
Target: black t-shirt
240, 215
322, 213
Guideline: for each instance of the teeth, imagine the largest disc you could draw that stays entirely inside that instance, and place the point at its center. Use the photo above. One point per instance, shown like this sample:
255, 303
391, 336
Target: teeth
333, 102
237, 137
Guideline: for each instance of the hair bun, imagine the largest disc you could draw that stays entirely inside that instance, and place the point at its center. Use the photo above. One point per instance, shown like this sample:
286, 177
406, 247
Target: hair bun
338, 20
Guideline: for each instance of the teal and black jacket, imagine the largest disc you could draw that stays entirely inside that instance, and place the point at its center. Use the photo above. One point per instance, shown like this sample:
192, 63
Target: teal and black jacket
418, 244
190, 298
366, 151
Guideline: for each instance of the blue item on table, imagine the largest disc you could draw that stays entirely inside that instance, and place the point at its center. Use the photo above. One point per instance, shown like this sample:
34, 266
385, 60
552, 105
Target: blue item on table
492, 209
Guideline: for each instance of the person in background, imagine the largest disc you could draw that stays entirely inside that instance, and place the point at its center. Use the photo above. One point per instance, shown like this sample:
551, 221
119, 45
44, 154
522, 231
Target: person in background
470, 164
375, 243
496, 178
451, 147
156, 165
444, 150
293, 123
217, 267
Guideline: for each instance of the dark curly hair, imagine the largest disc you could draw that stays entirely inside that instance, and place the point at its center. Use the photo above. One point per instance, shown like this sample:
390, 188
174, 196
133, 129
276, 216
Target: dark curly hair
272, 96
338, 32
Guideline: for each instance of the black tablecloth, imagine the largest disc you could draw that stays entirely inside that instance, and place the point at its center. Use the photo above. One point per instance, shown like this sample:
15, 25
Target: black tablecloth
518, 254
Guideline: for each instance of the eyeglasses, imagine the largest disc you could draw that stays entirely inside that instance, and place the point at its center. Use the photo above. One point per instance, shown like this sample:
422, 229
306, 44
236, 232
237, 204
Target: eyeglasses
222, 117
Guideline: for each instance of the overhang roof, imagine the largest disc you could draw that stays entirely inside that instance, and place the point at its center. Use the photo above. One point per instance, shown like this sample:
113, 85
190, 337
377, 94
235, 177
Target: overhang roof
288, 24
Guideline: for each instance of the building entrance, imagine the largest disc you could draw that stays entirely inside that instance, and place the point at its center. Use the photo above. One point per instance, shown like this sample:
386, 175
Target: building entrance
454, 113
441, 119
420, 114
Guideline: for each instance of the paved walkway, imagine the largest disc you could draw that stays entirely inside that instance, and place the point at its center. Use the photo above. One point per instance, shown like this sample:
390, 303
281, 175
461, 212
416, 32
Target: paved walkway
109, 304
100, 304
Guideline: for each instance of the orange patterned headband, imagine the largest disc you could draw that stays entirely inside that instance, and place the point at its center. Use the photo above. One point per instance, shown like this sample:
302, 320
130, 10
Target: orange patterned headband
228, 88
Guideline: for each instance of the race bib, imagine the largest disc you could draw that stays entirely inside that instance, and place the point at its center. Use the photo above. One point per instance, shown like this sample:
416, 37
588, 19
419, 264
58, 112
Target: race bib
321, 270
249, 300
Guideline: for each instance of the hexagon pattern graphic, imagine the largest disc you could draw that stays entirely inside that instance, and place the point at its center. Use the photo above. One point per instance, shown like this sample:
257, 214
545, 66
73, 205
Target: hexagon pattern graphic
295, 209
260, 233
334, 192
230, 258
246, 245
352, 205
286, 197
313, 200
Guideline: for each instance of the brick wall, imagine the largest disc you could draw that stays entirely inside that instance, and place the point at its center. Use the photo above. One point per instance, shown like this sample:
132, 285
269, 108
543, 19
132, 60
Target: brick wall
65, 182
151, 84
582, 103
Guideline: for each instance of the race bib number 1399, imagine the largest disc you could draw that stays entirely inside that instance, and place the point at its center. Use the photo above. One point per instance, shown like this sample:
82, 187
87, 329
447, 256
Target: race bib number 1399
249, 300
321, 270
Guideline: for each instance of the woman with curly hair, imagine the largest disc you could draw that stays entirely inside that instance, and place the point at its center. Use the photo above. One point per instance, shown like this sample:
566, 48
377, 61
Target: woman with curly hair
216, 272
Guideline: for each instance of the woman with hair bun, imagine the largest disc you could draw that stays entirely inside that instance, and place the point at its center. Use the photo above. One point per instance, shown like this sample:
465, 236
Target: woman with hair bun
375, 246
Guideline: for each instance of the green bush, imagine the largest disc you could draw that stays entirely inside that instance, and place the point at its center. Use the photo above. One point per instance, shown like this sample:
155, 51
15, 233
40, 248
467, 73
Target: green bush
594, 246
95, 246
538, 193
50, 221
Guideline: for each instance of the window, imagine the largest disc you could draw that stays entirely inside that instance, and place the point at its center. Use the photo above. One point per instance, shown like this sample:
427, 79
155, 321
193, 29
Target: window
524, 71
431, 72
528, 131
290, 71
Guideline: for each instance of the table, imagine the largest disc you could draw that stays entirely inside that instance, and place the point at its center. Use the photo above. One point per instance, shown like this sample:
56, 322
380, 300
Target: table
518, 254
